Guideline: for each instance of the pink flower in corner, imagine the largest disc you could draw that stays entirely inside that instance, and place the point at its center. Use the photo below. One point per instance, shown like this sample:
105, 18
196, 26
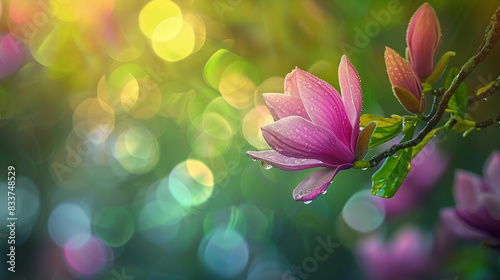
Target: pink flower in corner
423, 37
477, 214
315, 127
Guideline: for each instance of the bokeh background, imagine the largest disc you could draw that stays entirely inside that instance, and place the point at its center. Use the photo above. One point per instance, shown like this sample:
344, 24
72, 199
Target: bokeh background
128, 121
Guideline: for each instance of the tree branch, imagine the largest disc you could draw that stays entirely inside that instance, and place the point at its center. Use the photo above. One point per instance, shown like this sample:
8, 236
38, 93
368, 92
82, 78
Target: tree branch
491, 37
434, 107
488, 122
485, 94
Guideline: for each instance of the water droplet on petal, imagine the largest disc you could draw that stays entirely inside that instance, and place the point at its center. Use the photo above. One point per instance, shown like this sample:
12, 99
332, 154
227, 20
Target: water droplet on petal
308, 201
323, 192
266, 165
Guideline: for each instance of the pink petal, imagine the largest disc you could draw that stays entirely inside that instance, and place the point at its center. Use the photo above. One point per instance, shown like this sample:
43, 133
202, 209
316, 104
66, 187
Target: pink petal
492, 171
300, 138
492, 204
316, 183
282, 106
456, 225
350, 87
324, 105
401, 74
288, 104
467, 190
480, 219
286, 163
423, 37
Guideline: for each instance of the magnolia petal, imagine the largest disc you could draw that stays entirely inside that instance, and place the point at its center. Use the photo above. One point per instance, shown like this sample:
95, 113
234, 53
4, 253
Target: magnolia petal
456, 225
350, 86
492, 171
481, 220
284, 105
323, 105
316, 183
492, 204
296, 137
269, 105
364, 140
423, 37
286, 163
407, 99
401, 74
288, 104
467, 190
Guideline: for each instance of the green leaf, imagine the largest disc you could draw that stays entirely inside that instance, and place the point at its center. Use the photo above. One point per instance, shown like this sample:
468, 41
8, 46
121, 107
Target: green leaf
421, 145
387, 180
440, 67
387, 128
485, 88
458, 102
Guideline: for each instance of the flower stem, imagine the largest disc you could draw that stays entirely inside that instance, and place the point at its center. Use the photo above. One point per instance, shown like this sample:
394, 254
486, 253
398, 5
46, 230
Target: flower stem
361, 164
491, 37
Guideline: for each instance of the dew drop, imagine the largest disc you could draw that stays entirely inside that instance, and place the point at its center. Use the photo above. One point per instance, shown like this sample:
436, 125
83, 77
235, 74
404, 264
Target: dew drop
266, 165
364, 168
308, 202
323, 192
395, 155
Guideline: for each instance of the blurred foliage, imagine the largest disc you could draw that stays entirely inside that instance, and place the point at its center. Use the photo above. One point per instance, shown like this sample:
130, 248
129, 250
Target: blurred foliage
127, 122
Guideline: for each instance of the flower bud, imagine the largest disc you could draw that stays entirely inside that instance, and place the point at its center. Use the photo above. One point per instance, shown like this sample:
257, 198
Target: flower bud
423, 37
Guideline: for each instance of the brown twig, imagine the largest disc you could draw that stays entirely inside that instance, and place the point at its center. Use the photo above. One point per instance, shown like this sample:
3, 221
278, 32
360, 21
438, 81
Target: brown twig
488, 122
485, 94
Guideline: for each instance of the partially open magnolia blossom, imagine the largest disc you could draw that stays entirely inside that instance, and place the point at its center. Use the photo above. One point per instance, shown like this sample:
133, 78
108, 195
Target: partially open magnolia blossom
423, 37
477, 213
315, 127
405, 82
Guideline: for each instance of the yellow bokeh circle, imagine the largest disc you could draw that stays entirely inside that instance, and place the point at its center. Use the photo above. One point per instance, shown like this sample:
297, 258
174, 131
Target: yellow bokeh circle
156, 12
173, 39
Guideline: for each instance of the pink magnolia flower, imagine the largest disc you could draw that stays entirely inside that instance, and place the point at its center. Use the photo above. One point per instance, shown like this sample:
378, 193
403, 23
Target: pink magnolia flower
315, 127
409, 255
477, 214
405, 82
423, 37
